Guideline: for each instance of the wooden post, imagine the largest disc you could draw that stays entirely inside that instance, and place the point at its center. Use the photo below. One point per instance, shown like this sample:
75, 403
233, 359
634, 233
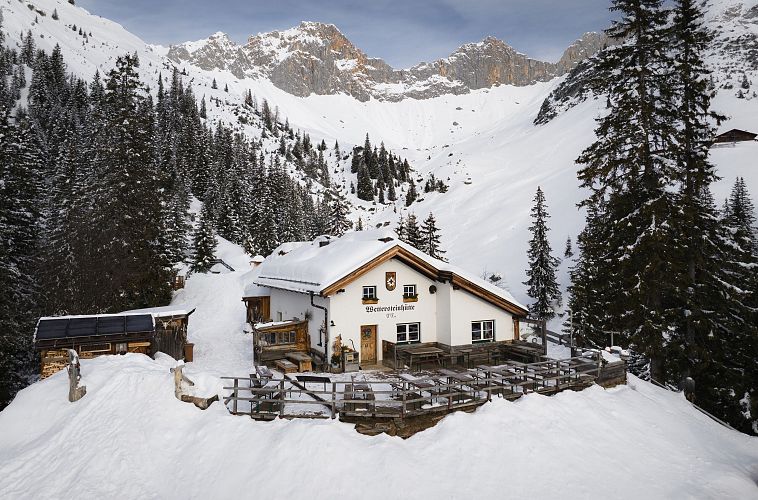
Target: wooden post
236, 392
281, 398
403, 413
334, 399
75, 393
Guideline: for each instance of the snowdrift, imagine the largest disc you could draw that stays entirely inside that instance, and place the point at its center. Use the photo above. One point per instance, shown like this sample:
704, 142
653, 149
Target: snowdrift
129, 438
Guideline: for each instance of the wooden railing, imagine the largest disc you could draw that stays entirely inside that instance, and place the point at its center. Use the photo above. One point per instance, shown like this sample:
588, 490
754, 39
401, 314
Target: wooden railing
443, 391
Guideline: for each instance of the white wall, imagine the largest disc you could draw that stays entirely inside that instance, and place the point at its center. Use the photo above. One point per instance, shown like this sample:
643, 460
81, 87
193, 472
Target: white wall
466, 308
348, 311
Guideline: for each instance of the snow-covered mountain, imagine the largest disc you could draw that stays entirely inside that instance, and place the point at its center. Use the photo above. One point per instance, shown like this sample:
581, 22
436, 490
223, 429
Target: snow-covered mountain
732, 57
480, 140
316, 58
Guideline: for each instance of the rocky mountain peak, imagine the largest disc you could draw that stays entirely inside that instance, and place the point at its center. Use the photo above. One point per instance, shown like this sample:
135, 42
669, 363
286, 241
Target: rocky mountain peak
318, 58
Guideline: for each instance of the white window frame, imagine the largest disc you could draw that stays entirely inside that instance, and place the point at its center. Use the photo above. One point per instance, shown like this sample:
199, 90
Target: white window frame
412, 294
407, 333
482, 330
372, 295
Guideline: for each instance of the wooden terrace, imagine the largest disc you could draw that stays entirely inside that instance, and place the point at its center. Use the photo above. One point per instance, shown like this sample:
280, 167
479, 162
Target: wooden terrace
265, 396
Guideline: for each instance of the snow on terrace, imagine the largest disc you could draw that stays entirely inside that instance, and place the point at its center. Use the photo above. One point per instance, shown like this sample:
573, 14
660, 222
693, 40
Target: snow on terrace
130, 438
313, 266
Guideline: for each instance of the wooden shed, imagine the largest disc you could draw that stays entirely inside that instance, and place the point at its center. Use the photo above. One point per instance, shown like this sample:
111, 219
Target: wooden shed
735, 135
101, 334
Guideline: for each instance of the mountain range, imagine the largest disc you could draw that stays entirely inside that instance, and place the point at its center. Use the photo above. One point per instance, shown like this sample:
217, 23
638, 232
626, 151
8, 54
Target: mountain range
468, 119
316, 58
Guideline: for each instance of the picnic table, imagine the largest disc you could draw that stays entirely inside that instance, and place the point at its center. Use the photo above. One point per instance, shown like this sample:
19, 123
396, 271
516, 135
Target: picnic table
422, 354
453, 375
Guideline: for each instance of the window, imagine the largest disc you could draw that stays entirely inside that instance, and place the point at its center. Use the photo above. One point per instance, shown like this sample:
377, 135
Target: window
483, 331
369, 293
276, 338
409, 333
409, 292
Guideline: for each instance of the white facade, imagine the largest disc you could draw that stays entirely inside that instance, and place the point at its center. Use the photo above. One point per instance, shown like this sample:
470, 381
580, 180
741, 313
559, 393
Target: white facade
444, 316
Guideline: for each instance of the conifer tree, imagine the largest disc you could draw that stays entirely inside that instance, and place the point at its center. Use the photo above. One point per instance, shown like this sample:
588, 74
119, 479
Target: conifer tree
542, 282
411, 196
630, 178
568, 252
430, 238
401, 229
203, 243
365, 188
413, 233
339, 223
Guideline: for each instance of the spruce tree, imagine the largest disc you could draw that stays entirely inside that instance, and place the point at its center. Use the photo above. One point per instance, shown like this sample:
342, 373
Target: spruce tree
203, 243
630, 176
339, 223
365, 188
430, 238
542, 282
413, 233
411, 196
707, 309
568, 252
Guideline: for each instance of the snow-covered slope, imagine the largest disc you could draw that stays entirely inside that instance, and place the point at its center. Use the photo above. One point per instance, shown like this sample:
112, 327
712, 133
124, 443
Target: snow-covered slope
130, 438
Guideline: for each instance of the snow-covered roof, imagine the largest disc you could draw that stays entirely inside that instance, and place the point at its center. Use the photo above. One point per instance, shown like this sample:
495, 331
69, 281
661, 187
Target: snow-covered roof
314, 266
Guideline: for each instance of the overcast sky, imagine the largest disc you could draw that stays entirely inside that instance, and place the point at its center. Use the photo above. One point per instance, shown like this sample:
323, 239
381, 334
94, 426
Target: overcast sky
401, 32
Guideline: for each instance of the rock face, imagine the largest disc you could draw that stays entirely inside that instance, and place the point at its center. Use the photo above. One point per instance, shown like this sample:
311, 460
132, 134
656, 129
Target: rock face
316, 58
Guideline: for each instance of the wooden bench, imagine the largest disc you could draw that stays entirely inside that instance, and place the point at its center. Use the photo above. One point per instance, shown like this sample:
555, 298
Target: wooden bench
286, 366
302, 360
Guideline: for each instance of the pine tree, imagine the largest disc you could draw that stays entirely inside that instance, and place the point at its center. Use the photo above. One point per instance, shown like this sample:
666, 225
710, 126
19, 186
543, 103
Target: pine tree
707, 310
203, 243
413, 233
630, 176
214, 85
339, 223
411, 196
365, 188
391, 193
542, 282
568, 252
401, 229
430, 238
19, 224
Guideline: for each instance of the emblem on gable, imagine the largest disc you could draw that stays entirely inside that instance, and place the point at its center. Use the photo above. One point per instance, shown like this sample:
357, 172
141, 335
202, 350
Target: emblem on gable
390, 280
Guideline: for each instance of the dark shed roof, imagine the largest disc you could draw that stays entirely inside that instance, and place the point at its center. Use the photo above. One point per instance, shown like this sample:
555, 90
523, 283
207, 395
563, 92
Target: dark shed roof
736, 135
71, 327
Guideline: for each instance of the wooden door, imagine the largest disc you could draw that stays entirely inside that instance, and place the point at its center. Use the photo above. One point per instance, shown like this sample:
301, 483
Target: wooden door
368, 344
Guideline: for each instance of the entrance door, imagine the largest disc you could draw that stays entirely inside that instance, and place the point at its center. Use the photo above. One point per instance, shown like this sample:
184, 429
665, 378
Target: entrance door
368, 344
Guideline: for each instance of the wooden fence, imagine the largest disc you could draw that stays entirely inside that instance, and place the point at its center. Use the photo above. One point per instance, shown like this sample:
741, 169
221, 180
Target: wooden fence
442, 391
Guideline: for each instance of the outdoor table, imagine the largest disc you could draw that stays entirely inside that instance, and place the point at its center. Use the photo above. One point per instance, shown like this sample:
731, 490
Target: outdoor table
422, 354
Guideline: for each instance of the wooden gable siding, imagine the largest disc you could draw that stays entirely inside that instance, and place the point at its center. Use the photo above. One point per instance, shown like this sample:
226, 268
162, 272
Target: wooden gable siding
395, 252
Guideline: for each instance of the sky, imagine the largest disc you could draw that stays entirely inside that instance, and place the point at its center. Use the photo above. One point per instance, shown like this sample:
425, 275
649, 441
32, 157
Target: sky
402, 33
